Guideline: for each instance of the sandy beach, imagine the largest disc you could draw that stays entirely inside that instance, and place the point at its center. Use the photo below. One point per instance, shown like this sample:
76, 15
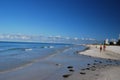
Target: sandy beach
90, 64
109, 72
111, 52
59, 39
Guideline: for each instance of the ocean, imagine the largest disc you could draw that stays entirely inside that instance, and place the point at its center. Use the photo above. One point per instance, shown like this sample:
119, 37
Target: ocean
17, 54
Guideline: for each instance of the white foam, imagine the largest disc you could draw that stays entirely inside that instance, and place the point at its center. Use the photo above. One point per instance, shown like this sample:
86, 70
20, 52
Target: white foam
51, 46
29, 49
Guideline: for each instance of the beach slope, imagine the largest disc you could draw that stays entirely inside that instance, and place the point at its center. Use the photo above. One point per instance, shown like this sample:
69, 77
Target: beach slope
112, 53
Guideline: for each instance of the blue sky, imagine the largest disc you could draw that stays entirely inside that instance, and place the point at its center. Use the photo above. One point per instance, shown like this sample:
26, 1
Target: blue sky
99, 19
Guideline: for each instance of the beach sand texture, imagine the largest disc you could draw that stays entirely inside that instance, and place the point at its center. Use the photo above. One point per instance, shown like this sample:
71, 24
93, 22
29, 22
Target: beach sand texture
67, 67
111, 52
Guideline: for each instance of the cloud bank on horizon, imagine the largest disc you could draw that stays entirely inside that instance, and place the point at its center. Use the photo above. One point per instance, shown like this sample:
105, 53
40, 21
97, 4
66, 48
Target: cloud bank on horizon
43, 39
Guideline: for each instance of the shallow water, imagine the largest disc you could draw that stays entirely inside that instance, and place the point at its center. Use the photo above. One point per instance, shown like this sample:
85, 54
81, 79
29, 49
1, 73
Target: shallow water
14, 55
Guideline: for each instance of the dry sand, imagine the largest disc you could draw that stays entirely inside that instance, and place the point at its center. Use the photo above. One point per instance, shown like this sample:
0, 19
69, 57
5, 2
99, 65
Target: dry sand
111, 52
108, 72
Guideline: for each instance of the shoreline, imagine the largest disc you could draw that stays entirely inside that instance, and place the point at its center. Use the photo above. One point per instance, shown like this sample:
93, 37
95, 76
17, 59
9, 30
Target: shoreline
107, 72
67, 66
109, 53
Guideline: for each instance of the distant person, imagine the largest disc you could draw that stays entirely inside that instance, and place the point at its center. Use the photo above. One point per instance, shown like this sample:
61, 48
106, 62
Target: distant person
96, 46
100, 48
104, 47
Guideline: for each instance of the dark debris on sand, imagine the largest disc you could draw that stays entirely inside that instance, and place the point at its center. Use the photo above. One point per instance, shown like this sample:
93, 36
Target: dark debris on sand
71, 70
66, 75
83, 73
98, 64
70, 67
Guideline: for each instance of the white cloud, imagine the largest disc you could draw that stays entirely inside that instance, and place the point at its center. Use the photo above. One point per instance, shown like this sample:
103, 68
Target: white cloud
1, 37
8, 36
75, 38
39, 38
67, 38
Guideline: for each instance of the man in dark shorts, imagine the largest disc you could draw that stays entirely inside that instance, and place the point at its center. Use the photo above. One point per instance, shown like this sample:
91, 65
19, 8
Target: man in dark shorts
100, 48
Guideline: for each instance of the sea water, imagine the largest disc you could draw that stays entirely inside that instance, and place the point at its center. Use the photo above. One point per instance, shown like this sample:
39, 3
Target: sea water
16, 54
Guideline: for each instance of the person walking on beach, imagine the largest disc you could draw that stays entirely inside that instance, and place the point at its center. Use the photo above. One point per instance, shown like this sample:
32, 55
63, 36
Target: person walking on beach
100, 48
104, 47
